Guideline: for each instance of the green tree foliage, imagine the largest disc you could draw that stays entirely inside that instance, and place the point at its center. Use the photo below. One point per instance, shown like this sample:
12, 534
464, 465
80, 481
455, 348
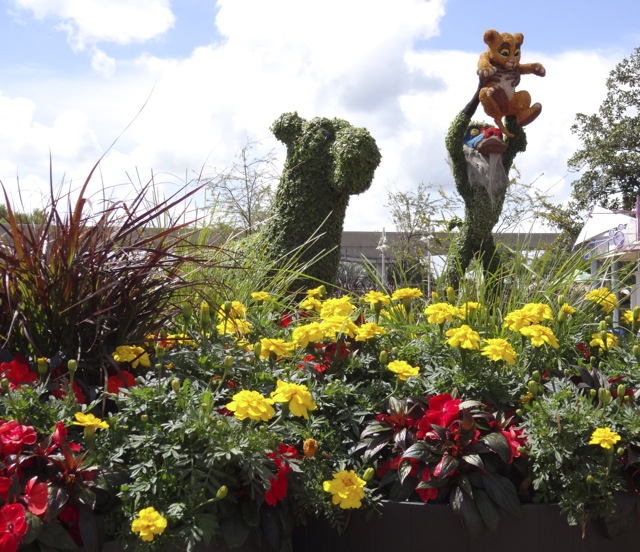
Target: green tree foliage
610, 152
328, 161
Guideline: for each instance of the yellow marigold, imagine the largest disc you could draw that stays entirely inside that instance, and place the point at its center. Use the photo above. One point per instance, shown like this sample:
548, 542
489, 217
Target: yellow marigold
499, 349
596, 341
318, 292
311, 304
464, 337
277, 346
178, 339
238, 310
261, 296
567, 309
467, 308
376, 298
518, 319
347, 489
604, 437
308, 333
149, 523
133, 354
539, 335
340, 306
406, 293
310, 447
603, 297
368, 331
439, 313
336, 325
298, 396
403, 369
237, 326
252, 405
90, 421
539, 312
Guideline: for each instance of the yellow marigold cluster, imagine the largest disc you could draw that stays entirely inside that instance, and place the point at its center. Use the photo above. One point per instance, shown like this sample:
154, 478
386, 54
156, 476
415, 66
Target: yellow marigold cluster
132, 354
297, 396
403, 294
403, 369
439, 313
251, 404
531, 313
308, 333
90, 421
604, 437
261, 296
279, 347
610, 342
499, 349
464, 337
340, 306
234, 321
149, 523
539, 335
374, 298
346, 488
604, 298
369, 330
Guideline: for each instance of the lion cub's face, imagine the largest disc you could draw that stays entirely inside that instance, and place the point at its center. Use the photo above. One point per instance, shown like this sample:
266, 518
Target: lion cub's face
504, 49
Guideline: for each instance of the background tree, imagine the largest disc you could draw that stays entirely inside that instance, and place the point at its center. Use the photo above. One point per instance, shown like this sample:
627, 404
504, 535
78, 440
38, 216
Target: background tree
242, 194
610, 152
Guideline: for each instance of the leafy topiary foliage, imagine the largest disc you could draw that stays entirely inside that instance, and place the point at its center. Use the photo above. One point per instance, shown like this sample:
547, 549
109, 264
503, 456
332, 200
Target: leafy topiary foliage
482, 208
328, 160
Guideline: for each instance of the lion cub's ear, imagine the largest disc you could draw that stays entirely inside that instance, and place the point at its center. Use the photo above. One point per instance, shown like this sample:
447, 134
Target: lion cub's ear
519, 38
491, 37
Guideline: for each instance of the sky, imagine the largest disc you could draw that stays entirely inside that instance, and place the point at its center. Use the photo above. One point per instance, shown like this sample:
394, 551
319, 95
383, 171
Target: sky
171, 90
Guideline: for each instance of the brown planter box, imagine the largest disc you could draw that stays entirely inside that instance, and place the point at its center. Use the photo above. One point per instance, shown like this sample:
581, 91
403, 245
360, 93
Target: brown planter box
414, 527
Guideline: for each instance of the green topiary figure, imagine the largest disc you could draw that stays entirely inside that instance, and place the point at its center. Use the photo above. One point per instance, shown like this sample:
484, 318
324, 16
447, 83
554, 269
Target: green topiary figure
481, 177
328, 161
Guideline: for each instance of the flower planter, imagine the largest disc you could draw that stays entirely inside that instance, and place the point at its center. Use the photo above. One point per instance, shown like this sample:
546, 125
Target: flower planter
414, 527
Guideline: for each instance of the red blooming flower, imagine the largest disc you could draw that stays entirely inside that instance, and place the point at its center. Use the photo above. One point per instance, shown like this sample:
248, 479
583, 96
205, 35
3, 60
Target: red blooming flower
516, 439
278, 486
426, 493
13, 436
13, 527
36, 497
283, 452
443, 411
18, 373
117, 382
63, 387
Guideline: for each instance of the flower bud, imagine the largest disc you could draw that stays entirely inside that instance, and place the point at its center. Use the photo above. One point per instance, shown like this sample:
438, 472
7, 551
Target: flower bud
205, 314
5, 384
604, 337
562, 316
434, 297
368, 474
589, 479
451, 295
602, 327
42, 366
533, 387
144, 418
384, 357
160, 352
227, 362
519, 412
72, 366
187, 312
323, 291
536, 376
310, 447
257, 349
609, 321
620, 451
636, 352
394, 351
604, 396
621, 390
222, 492
592, 393
227, 307
561, 299
175, 384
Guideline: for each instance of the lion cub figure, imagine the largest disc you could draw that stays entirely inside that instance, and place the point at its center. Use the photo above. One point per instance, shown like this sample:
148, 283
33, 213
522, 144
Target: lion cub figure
499, 69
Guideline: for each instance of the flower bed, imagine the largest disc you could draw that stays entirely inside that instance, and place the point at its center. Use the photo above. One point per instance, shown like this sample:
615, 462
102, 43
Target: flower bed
239, 421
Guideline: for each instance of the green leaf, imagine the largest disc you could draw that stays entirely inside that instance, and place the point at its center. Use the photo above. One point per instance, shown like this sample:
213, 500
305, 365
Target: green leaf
234, 530
463, 505
55, 536
488, 510
503, 492
498, 443
474, 460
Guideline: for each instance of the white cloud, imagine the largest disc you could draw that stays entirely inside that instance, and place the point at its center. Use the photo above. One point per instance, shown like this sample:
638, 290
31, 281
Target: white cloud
102, 64
91, 21
353, 60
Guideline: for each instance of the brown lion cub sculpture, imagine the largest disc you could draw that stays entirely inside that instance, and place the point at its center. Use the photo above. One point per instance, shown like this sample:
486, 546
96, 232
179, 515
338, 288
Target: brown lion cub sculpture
499, 69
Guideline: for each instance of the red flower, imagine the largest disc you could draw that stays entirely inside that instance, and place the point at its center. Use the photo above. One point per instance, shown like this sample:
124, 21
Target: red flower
18, 373
278, 486
516, 439
63, 387
285, 319
13, 436
59, 438
443, 410
426, 493
36, 497
283, 452
117, 382
13, 527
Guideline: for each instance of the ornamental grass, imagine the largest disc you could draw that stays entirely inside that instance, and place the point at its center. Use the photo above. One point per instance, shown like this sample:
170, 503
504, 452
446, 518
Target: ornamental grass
226, 410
